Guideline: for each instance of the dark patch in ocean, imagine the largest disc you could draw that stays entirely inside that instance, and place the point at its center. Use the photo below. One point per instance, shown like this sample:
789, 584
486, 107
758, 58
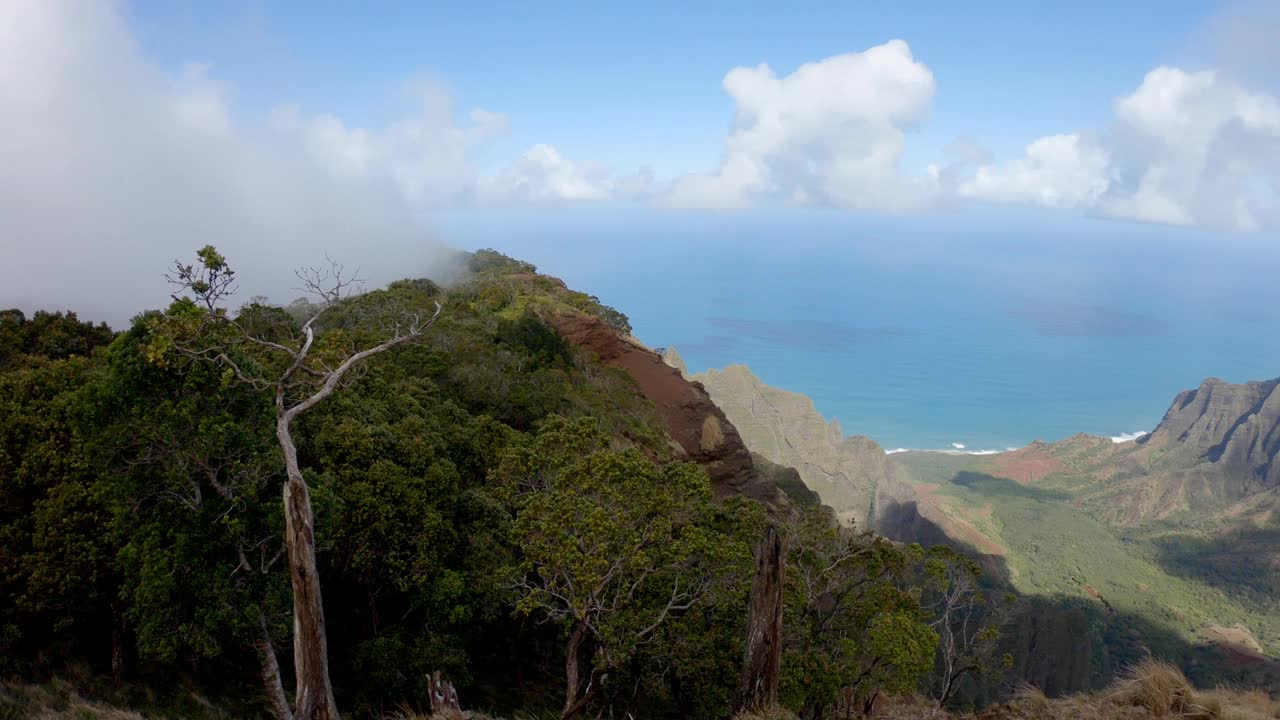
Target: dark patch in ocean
715, 345
805, 335
1081, 320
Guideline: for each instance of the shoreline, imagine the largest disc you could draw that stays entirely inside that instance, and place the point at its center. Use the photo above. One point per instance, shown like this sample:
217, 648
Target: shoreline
961, 449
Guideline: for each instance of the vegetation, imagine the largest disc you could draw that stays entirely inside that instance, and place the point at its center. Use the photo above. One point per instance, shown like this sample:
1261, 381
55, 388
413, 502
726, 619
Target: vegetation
1126, 593
854, 627
1149, 690
473, 494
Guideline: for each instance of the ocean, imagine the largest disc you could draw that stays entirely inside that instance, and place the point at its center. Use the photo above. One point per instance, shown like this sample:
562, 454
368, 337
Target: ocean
976, 331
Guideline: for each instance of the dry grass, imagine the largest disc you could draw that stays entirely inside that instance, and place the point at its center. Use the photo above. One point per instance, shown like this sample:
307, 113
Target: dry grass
76, 697
1161, 689
55, 701
773, 713
1150, 690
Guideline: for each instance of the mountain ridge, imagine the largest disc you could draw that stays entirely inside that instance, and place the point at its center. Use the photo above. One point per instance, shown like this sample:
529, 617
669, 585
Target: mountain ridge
787, 428
1181, 526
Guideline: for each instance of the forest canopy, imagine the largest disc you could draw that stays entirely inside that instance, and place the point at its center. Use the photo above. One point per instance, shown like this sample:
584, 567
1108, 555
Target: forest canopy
488, 501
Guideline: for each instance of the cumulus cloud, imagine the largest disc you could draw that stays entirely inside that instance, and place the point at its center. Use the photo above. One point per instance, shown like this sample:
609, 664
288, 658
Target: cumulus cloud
1055, 171
1185, 148
543, 174
423, 156
830, 133
1197, 148
112, 167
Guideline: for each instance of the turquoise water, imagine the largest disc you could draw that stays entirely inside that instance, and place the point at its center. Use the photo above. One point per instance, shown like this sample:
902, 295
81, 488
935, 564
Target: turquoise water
986, 331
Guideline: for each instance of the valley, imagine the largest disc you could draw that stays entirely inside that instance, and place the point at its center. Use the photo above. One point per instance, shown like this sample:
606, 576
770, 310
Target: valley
1167, 543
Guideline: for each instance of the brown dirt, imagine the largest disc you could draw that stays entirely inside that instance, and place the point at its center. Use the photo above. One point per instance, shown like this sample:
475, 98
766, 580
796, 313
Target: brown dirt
1239, 643
1026, 465
692, 420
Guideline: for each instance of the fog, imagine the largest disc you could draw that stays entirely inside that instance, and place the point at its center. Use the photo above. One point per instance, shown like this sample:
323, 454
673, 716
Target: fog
113, 168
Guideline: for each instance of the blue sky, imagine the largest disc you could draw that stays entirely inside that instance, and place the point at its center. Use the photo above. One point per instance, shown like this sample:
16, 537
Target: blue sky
639, 84
274, 128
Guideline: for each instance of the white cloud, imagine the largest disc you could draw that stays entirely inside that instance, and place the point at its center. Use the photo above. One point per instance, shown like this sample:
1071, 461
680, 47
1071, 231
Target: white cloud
425, 155
543, 174
830, 133
1057, 171
1196, 148
1185, 148
112, 167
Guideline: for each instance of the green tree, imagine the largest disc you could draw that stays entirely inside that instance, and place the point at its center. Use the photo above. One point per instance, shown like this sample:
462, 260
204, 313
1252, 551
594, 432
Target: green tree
613, 548
51, 335
299, 371
187, 463
57, 580
851, 629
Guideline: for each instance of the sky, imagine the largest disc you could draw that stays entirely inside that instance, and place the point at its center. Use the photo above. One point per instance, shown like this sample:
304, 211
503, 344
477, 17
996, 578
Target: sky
132, 131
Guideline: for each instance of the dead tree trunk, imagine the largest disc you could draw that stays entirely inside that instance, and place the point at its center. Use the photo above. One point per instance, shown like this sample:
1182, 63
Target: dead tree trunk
572, 704
444, 698
763, 657
314, 698
270, 673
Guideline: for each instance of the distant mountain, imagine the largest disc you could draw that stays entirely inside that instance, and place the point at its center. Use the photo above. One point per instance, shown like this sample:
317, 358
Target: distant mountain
1169, 544
1214, 450
786, 428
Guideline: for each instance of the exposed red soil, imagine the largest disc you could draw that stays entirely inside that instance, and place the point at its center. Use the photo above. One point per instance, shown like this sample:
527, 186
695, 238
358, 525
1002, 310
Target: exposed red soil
692, 420
1026, 465
930, 508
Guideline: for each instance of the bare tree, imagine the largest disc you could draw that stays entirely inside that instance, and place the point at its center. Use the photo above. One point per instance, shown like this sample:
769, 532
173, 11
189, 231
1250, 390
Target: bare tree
299, 378
967, 624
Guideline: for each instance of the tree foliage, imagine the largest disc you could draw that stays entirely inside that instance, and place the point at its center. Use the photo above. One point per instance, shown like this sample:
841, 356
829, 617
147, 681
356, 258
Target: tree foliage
853, 628
493, 504
48, 335
613, 547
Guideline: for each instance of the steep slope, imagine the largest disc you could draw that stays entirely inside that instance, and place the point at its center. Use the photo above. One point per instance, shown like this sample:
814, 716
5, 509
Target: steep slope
786, 428
1234, 427
1215, 448
700, 429
1169, 545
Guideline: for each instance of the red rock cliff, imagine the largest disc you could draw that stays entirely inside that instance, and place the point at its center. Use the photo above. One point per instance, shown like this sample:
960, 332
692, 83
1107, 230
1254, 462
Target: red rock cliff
692, 420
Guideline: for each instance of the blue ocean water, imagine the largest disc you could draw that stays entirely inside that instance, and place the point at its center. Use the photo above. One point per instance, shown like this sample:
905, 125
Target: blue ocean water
980, 329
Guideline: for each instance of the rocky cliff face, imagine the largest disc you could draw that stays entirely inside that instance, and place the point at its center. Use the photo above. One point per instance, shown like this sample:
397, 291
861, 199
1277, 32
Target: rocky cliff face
1236, 427
672, 358
1215, 448
700, 430
786, 428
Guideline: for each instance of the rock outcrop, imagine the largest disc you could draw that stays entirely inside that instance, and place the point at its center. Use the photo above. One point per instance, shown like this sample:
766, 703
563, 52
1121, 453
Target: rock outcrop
786, 428
1214, 450
672, 358
1236, 427
697, 426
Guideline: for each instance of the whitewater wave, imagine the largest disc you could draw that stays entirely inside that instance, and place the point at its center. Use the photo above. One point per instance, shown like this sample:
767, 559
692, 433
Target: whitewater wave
1126, 437
953, 450
961, 449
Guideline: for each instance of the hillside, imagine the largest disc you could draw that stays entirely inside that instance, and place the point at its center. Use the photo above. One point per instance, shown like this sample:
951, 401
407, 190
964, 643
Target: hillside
522, 496
1170, 543
141, 532
786, 428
